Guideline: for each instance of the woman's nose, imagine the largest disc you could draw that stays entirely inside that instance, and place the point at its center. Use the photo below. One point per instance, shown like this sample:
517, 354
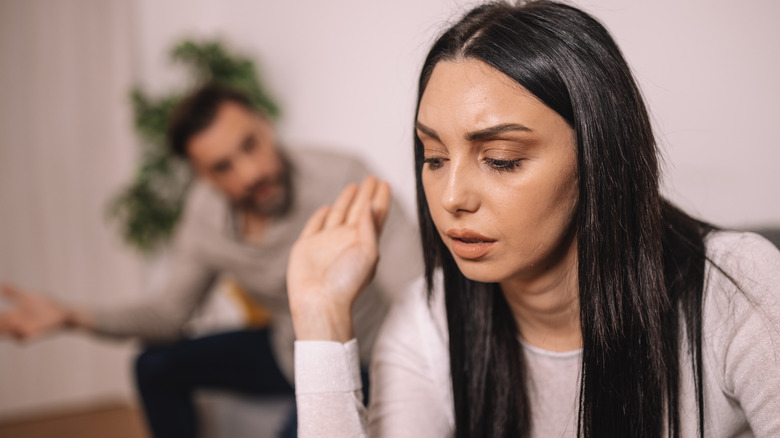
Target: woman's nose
460, 194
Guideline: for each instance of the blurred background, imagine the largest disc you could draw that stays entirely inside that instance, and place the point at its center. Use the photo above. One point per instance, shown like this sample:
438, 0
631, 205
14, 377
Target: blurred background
343, 73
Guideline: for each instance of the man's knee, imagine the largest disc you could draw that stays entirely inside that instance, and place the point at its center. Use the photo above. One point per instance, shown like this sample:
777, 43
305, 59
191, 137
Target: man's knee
153, 366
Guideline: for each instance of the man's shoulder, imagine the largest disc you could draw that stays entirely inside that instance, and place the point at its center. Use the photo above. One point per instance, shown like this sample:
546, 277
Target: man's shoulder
326, 161
202, 196
326, 170
204, 206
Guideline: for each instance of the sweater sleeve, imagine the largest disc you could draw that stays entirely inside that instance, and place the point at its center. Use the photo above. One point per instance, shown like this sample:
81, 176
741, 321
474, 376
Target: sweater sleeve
188, 280
161, 318
328, 390
409, 377
743, 323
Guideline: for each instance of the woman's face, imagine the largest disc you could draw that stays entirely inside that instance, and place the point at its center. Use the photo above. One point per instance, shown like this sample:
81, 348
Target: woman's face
500, 176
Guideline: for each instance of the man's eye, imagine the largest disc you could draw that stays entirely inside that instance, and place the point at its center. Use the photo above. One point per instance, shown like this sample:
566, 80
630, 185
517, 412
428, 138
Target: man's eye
249, 145
433, 163
221, 168
503, 165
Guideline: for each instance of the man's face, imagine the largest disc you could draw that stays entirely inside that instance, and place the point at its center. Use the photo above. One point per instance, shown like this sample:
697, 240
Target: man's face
237, 154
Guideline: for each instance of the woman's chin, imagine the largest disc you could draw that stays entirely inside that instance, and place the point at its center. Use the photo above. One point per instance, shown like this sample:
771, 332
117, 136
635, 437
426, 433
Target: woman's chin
480, 272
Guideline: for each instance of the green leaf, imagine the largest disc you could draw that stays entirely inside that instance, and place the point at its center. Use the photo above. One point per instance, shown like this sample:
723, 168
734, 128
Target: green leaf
148, 208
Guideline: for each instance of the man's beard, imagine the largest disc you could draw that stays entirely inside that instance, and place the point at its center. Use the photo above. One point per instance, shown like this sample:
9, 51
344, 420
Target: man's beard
281, 202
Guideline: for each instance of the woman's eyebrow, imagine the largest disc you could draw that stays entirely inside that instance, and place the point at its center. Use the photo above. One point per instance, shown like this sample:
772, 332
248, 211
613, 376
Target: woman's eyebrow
482, 133
496, 130
427, 131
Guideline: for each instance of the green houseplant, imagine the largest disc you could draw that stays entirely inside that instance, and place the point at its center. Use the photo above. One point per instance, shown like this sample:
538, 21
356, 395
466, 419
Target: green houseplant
148, 208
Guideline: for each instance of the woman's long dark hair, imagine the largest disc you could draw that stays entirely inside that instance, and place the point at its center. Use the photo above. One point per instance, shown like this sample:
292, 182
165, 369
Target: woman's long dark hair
640, 259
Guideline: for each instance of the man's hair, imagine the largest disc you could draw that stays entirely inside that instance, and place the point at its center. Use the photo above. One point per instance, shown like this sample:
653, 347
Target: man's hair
197, 111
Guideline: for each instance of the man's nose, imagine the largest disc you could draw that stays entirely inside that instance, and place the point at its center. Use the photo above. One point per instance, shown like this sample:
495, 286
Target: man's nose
248, 171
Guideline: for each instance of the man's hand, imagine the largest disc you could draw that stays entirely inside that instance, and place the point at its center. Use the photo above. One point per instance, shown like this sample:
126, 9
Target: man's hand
33, 315
334, 259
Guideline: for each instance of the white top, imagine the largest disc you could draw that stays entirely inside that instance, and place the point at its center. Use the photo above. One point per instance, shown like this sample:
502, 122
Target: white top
411, 393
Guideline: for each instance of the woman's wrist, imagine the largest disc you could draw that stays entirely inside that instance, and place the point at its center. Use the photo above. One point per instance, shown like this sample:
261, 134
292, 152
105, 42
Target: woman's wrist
318, 322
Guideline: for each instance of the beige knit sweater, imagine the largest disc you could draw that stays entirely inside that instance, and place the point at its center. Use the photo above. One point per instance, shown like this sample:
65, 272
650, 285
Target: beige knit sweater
207, 245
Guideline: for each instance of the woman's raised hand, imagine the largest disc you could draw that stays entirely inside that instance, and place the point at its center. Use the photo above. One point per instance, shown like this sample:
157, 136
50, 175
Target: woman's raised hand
334, 259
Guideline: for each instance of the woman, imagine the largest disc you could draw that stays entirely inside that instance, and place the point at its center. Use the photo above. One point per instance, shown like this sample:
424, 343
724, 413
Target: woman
566, 297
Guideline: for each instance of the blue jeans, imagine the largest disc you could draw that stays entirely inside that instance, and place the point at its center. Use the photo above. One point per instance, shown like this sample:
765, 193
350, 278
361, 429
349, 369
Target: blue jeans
168, 375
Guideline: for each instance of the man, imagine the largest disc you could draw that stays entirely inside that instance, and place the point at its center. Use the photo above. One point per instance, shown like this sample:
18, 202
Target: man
245, 210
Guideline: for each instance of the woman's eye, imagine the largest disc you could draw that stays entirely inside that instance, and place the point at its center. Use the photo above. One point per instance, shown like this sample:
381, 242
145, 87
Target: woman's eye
433, 163
503, 165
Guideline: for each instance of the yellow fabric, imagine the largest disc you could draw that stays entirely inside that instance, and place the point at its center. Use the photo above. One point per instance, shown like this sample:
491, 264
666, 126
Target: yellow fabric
255, 314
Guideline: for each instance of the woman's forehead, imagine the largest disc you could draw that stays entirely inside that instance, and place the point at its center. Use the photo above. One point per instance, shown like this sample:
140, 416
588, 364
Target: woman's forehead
471, 95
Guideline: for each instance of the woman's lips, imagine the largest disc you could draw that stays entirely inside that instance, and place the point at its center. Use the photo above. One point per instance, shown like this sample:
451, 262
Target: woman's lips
469, 245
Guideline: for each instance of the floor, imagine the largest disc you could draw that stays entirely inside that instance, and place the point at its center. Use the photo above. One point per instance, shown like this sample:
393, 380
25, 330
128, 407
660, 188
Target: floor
223, 415
108, 419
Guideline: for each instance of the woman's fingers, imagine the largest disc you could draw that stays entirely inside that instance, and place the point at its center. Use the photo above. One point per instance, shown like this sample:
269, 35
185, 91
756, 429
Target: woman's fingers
338, 212
362, 200
350, 206
380, 205
316, 221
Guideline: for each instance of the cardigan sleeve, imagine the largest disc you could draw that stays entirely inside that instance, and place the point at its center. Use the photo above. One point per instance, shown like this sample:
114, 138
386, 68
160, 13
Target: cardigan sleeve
409, 377
328, 389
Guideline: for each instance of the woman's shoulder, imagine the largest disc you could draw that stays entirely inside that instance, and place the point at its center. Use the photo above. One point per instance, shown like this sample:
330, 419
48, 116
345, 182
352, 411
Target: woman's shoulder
741, 326
411, 364
418, 314
741, 249
415, 331
743, 269
741, 299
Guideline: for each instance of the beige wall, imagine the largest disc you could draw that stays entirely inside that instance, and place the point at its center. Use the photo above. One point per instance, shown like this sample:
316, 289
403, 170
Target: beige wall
65, 146
345, 74
708, 69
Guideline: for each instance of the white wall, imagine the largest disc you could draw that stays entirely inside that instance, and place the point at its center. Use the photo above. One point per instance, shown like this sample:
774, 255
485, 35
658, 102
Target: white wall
709, 70
344, 72
65, 147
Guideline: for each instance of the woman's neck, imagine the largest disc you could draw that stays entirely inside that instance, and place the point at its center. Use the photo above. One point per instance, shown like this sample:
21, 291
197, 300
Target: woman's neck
546, 308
